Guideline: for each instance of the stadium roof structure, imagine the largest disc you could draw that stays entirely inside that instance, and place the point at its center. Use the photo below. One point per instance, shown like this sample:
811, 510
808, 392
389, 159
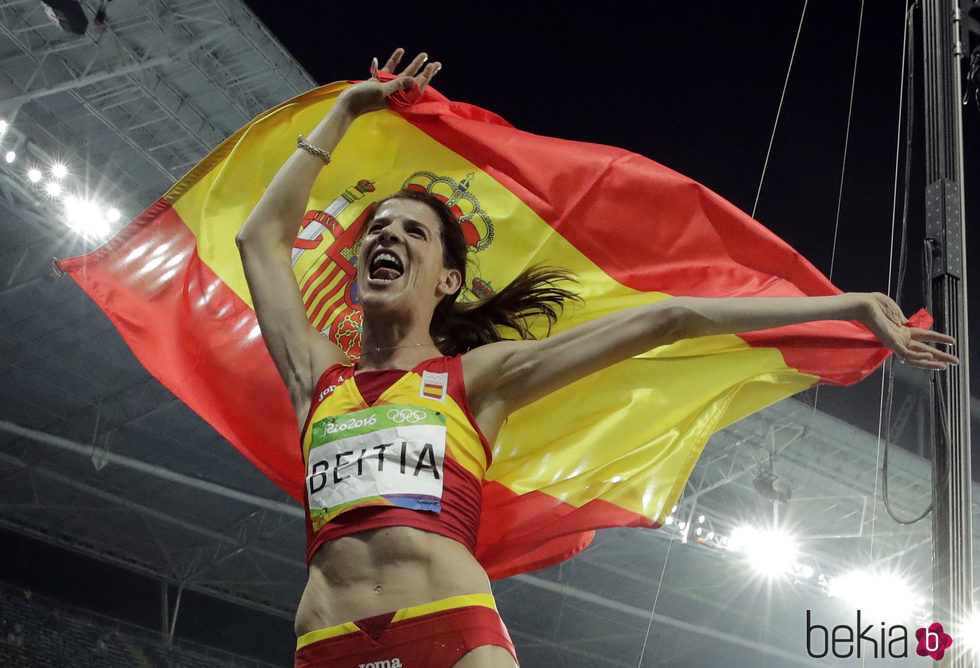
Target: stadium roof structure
98, 458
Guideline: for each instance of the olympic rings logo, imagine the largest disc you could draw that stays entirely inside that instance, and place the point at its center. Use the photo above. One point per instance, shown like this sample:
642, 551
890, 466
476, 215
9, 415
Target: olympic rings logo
409, 415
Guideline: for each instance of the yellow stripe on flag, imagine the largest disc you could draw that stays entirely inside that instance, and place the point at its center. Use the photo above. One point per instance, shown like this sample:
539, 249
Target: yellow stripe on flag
645, 419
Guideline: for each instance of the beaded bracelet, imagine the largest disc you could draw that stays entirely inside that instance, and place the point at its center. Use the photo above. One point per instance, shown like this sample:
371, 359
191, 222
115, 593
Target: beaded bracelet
313, 150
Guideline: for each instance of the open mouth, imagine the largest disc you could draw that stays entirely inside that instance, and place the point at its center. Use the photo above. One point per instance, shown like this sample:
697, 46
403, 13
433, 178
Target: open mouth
385, 266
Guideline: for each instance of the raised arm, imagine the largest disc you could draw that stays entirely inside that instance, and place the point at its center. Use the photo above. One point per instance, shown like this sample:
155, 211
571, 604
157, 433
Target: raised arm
266, 238
505, 376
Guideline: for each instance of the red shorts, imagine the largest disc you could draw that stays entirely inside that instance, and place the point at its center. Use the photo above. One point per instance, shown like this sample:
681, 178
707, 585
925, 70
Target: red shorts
432, 635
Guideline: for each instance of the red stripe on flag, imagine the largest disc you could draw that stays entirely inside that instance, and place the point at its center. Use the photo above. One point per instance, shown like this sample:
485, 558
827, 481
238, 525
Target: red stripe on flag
339, 285
817, 348
334, 270
521, 517
160, 310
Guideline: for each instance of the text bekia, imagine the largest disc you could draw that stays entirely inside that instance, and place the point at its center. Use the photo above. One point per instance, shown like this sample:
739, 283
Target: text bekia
874, 640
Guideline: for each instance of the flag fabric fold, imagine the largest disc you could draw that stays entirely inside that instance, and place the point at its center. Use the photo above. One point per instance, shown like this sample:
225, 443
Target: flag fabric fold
613, 449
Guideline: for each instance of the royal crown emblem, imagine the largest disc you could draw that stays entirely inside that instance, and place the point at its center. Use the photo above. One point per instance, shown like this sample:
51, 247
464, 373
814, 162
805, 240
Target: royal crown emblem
476, 223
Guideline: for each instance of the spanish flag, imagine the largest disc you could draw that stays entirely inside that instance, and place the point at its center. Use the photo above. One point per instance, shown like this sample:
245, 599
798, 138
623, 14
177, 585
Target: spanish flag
613, 449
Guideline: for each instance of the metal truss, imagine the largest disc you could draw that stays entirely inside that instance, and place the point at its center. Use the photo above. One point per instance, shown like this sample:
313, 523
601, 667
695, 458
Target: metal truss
660, 619
234, 563
152, 91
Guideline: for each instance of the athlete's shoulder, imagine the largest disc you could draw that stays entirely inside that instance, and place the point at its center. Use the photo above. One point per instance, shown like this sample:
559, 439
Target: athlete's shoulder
443, 363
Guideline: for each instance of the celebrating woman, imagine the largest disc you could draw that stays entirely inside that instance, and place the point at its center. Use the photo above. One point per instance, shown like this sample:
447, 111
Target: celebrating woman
396, 445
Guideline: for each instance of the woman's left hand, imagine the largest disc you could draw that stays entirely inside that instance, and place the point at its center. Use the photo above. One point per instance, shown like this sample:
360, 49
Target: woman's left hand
910, 344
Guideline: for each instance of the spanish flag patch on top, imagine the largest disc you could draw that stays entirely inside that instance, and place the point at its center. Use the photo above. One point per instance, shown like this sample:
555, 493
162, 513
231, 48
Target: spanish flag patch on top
434, 385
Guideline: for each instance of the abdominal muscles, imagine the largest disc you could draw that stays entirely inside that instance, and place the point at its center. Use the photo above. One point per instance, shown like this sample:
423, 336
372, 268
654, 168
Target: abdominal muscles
382, 570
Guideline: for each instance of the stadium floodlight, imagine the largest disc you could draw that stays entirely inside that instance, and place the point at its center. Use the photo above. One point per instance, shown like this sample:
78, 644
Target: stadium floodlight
770, 552
53, 188
882, 596
85, 217
113, 215
10, 156
34, 175
3, 126
59, 170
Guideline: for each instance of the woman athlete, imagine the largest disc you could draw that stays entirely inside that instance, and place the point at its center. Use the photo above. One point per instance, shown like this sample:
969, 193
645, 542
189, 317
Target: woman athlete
393, 506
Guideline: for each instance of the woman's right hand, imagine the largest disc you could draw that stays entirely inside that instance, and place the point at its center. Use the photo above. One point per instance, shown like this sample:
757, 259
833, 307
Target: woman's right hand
372, 95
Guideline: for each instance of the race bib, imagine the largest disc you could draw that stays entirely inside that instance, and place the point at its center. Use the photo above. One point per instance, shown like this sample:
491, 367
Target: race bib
389, 455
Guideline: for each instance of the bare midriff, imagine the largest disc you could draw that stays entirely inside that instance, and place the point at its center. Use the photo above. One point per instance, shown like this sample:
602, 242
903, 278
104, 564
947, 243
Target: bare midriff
382, 570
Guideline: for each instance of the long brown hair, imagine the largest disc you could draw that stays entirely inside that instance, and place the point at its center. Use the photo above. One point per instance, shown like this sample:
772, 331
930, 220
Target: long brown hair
459, 327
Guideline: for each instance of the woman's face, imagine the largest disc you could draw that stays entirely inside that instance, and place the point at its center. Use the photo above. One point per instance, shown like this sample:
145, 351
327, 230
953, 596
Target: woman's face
401, 264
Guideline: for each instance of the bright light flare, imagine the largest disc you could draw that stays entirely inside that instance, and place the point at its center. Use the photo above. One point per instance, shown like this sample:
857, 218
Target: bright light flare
969, 632
34, 175
52, 188
85, 217
770, 552
113, 215
883, 596
9, 156
3, 126
59, 170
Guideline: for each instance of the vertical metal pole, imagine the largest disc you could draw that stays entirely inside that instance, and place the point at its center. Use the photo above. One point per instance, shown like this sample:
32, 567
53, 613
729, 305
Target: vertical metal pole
952, 526
173, 619
164, 613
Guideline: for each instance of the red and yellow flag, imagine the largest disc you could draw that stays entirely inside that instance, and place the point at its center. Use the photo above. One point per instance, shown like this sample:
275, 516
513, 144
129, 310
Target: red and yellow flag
614, 449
